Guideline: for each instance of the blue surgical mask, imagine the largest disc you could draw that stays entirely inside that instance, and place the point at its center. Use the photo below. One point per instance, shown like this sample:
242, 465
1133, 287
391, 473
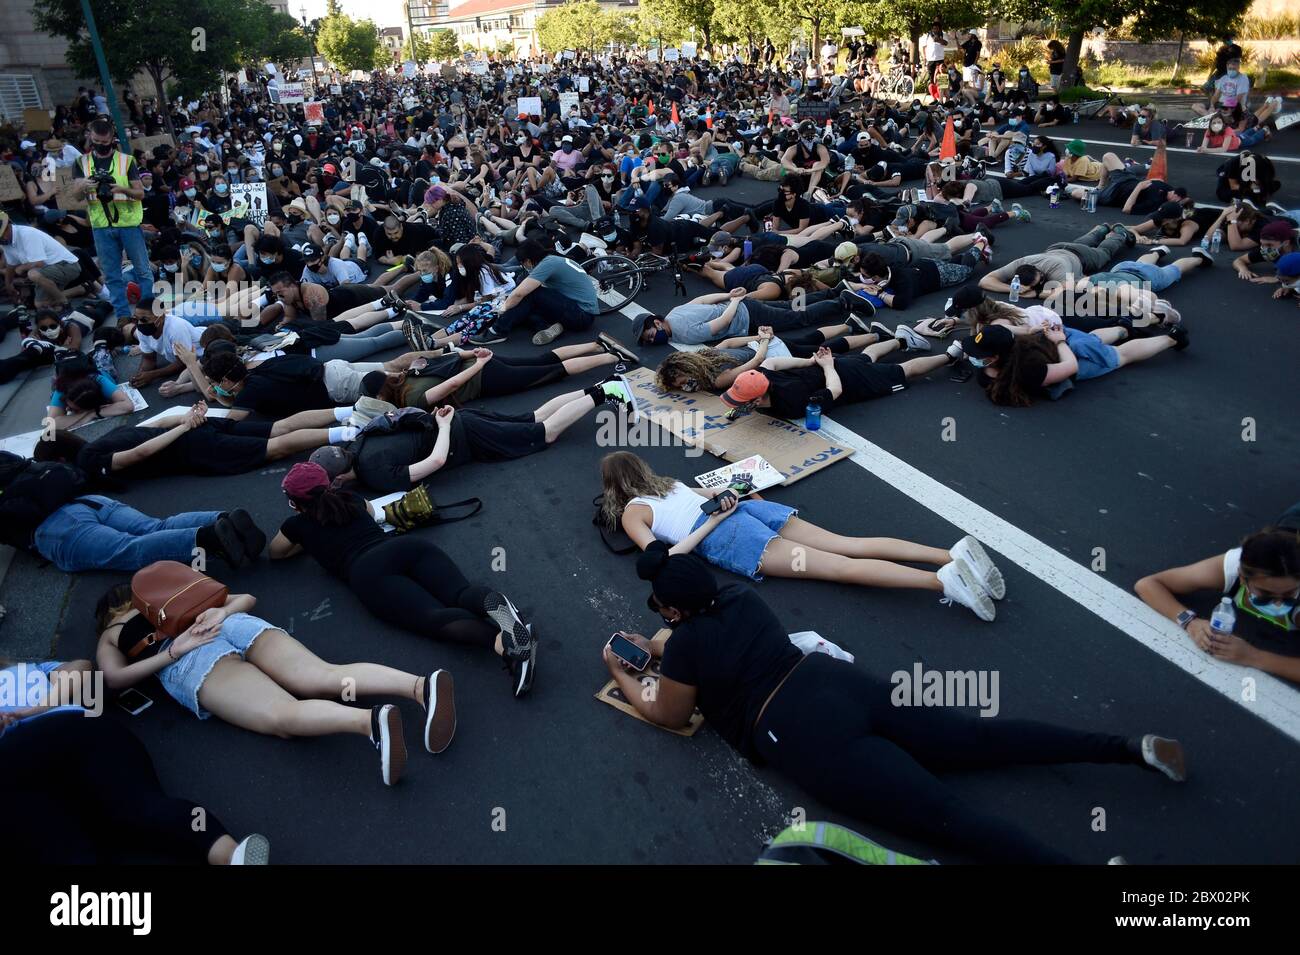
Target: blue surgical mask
426, 278
219, 267
221, 188
266, 259
1271, 607
190, 193
196, 260
978, 362
222, 391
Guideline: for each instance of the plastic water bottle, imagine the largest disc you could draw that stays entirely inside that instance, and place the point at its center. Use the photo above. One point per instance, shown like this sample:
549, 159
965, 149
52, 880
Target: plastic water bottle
1014, 296
1216, 242
1054, 196
1092, 200
1190, 134
748, 249
1076, 118
1205, 243
812, 417
1224, 618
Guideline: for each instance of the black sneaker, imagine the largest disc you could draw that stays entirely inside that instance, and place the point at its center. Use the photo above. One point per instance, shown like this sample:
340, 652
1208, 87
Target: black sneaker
439, 711
489, 336
1160, 251
522, 669
514, 633
413, 331
1207, 260
857, 322
852, 302
254, 540
625, 355
1179, 334
386, 735
230, 546
408, 263
391, 299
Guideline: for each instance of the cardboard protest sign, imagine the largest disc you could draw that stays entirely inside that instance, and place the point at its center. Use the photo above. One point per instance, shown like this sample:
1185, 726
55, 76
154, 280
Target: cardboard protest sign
531, 105
672, 54
292, 93
409, 69
701, 420
37, 120
336, 89
610, 694
570, 55
69, 197
147, 144
568, 101
314, 112
10, 189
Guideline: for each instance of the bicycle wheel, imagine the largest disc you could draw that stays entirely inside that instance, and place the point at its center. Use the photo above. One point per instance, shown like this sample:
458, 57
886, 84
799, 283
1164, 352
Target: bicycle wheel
616, 278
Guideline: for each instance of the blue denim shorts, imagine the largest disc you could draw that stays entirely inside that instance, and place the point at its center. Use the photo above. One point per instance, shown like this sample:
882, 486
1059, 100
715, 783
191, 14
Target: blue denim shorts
184, 678
738, 543
1096, 358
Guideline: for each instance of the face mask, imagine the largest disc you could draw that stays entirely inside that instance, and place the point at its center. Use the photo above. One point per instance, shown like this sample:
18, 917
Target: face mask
1014, 121
956, 124
219, 267
426, 278
196, 260
661, 337
190, 193
1216, 128
690, 384
521, 141
266, 259
222, 391
277, 146
1232, 73
231, 170
51, 333
220, 188
1272, 253
200, 168
170, 267
461, 270
1272, 608
277, 171
978, 362
102, 149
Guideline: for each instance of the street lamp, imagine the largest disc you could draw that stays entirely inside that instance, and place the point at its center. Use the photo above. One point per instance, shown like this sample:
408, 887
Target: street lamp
306, 28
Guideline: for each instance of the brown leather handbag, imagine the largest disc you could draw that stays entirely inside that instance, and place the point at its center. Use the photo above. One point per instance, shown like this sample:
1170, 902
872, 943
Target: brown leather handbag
171, 595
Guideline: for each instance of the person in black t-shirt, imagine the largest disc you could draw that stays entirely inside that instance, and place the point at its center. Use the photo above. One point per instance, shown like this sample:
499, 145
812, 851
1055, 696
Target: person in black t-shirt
400, 239
189, 443
836, 729
405, 581
786, 386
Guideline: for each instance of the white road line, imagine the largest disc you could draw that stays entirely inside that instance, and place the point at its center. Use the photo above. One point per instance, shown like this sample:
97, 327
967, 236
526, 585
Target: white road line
1172, 149
1277, 703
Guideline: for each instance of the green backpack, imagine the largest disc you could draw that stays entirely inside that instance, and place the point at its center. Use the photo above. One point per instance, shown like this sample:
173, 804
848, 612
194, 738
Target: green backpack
824, 843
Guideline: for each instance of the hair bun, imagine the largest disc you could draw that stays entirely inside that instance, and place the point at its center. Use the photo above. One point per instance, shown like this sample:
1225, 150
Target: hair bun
652, 560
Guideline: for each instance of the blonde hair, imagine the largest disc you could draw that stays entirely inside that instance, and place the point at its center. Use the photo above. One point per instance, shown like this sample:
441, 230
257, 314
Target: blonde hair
435, 259
990, 310
624, 476
704, 366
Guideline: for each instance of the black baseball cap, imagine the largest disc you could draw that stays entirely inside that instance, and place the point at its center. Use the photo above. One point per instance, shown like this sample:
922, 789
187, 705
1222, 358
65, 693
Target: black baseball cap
989, 342
964, 298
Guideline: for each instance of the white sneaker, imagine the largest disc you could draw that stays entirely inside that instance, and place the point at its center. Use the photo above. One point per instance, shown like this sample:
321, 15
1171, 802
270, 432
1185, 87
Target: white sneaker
1165, 755
961, 585
972, 552
350, 242
911, 340
254, 850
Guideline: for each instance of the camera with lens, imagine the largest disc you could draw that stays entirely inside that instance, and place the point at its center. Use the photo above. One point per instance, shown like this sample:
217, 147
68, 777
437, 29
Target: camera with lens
104, 184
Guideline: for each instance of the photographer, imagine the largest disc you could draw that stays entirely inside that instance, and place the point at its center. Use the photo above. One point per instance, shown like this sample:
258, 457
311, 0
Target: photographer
114, 193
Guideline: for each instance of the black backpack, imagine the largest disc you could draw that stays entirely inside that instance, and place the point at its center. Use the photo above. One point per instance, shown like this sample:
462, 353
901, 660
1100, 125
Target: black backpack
30, 491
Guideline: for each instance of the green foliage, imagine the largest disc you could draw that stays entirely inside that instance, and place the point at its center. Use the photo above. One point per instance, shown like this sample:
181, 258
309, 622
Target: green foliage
1270, 28
1028, 52
443, 45
1076, 94
418, 47
350, 44
579, 25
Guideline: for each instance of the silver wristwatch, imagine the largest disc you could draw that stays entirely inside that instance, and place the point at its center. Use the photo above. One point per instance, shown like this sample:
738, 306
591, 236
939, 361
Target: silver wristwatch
1186, 617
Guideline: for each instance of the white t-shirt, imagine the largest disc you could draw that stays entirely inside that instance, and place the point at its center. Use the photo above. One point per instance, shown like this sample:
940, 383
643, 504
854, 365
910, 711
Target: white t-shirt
175, 329
1040, 316
674, 514
934, 50
1231, 567
1233, 90
32, 245
489, 287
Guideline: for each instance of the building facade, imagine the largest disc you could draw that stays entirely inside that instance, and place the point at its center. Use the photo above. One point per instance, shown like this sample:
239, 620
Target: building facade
503, 25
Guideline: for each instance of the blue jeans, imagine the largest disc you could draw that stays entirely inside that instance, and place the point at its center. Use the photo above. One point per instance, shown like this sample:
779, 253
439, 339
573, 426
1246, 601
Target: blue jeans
542, 308
652, 193
110, 243
80, 536
1251, 137
199, 313
1159, 277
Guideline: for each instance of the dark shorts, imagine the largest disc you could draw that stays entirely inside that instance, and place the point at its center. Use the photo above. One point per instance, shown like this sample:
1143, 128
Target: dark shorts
224, 447
501, 437
347, 297
875, 380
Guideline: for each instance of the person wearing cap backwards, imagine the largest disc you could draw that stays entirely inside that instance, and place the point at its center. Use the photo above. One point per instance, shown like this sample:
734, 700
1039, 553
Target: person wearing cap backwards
115, 224
328, 271
835, 729
756, 537
406, 581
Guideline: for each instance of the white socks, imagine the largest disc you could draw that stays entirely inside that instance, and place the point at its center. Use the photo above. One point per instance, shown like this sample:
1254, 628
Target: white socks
342, 414
342, 435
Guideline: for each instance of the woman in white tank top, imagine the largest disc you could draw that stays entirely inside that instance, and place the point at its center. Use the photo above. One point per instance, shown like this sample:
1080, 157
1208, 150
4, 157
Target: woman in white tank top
756, 537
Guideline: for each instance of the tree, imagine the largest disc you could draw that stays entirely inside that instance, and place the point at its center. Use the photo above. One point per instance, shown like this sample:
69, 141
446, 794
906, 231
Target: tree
443, 45
272, 36
418, 47
349, 44
579, 25
187, 43
917, 18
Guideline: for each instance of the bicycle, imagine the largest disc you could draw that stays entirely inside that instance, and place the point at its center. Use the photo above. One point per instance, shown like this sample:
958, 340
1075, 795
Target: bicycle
899, 82
1090, 109
619, 279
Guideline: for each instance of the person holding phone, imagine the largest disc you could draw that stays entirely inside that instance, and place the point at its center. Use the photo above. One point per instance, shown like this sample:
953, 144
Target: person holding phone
253, 675
832, 727
757, 537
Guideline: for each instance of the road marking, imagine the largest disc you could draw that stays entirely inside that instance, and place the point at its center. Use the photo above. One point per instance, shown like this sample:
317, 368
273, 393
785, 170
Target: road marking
1277, 703
1176, 149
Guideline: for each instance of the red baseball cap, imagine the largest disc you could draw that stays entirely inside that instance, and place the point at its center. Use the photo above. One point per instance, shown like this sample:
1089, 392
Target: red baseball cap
749, 386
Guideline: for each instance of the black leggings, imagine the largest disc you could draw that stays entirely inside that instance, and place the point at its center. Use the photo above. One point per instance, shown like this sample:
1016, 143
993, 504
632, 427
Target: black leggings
509, 376
839, 736
804, 344
80, 791
1029, 186
416, 587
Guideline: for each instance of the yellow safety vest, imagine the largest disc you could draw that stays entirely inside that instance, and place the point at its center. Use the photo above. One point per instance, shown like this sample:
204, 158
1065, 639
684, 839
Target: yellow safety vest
130, 212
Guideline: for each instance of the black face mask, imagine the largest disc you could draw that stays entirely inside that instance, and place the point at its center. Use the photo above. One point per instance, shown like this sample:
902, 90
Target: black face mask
102, 149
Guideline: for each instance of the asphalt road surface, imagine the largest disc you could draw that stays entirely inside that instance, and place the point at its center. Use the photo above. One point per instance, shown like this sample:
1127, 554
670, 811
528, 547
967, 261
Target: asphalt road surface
1148, 463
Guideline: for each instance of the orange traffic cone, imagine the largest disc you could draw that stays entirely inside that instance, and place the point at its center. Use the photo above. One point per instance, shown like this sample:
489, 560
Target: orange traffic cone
948, 147
771, 112
675, 119
652, 107
1159, 165
708, 120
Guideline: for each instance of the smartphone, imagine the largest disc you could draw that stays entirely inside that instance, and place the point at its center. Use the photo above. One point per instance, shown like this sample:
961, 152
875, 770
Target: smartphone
133, 701
627, 651
741, 484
